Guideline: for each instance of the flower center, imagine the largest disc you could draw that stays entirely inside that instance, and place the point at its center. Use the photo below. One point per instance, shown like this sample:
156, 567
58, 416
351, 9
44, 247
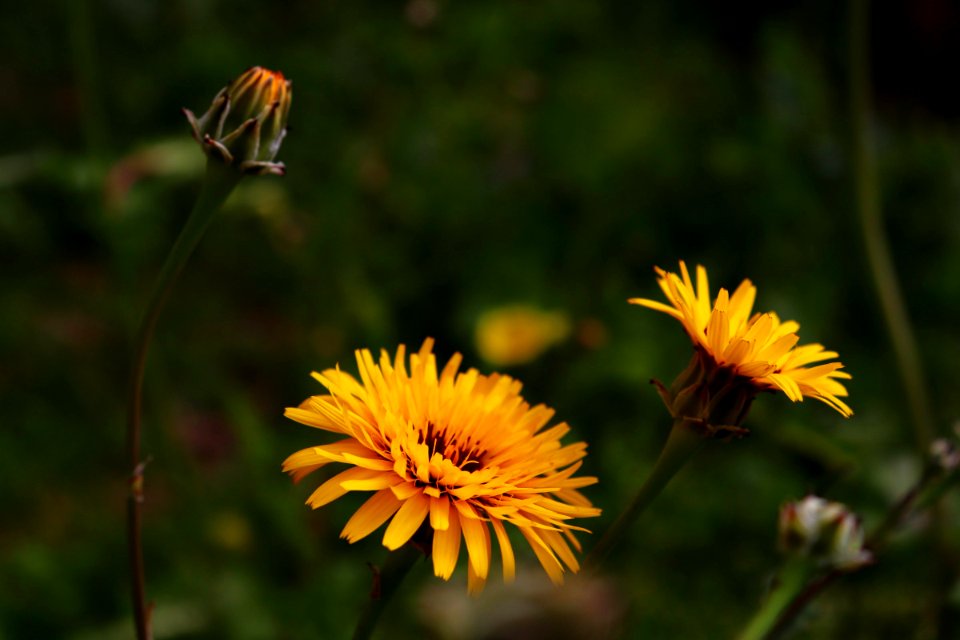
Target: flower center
465, 453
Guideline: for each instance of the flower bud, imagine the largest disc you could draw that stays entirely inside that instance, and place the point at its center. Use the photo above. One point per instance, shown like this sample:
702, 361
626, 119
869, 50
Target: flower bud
944, 455
823, 531
246, 122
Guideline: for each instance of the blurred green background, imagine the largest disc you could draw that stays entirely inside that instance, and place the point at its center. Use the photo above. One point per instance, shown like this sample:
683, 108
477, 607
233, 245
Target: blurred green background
447, 159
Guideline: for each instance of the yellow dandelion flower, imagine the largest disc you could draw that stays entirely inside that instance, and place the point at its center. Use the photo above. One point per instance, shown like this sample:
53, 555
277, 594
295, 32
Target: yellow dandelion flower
757, 348
450, 455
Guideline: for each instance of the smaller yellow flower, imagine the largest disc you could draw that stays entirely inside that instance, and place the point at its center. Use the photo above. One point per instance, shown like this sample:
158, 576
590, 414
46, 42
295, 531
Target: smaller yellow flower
756, 348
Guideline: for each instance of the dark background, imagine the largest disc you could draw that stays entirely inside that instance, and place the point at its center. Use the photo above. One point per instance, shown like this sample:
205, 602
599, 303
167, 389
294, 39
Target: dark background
446, 159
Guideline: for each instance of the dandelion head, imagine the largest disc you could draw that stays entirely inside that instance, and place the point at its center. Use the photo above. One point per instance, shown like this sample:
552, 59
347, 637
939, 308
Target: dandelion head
742, 350
450, 458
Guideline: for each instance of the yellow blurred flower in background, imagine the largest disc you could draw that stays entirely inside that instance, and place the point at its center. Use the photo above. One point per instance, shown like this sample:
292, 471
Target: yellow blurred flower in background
518, 334
230, 530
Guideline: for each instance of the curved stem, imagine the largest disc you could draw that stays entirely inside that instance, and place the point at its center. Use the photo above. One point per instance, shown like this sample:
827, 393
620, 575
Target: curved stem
83, 41
218, 182
682, 443
874, 238
881, 265
385, 584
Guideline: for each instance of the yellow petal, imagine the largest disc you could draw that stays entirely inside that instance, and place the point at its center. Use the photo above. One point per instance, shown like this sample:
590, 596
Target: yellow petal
439, 513
549, 561
787, 384
506, 550
382, 480
373, 513
312, 419
407, 521
466, 510
300, 473
703, 292
475, 583
656, 306
837, 404
333, 452
559, 546
333, 489
686, 276
741, 303
446, 548
808, 354
736, 351
718, 329
774, 351
379, 464
404, 490
760, 328
815, 372
477, 537
755, 369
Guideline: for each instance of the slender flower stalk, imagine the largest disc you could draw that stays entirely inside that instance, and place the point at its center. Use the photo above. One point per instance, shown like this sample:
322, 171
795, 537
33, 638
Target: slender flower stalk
875, 241
684, 441
737, 355
258, 97
386, 582
791, 581
217, 185
884, 275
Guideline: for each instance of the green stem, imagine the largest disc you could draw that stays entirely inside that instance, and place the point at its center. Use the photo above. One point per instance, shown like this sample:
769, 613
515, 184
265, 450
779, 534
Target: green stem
217, 185
386, 582
682, 443
84, 56
881, 264
764, 624
895, 516
874, 238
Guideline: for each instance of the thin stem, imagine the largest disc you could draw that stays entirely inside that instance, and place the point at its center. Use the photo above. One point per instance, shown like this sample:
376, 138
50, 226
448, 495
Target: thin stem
84, 55
874, 238
385, 584
217, 185
767, 621
894, 517
682, 443
881, 264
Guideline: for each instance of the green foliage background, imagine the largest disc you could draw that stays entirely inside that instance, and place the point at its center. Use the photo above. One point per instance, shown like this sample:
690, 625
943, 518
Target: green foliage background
446, 158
